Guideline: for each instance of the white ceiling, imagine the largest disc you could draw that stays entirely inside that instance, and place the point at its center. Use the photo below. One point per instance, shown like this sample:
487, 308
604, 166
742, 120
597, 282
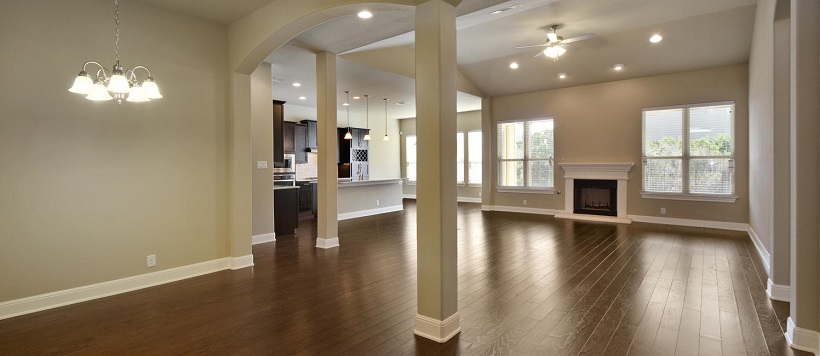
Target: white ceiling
376, 54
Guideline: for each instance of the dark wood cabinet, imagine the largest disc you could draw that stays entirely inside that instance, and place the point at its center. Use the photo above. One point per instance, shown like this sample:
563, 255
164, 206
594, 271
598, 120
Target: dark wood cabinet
288, 137
312, 139
300, 143
278, 121
305, 195
285, 211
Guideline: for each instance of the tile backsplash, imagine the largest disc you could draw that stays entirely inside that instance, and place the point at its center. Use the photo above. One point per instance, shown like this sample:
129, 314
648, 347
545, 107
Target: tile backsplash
309, 169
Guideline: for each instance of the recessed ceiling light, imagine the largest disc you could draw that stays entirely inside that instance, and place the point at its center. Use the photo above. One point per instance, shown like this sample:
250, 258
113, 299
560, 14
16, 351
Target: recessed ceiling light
618, 67
297, 84
514, 65
365, 14
562, 75
401, 102
656, 38
357, 97
302, 98
277, 79
496, 12
346, 104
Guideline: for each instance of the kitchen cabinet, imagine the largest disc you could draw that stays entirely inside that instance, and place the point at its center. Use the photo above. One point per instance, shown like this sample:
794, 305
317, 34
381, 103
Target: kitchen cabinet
300, 143
285, 210
288, 136
344, 146
278, 121
312, 140
305, 195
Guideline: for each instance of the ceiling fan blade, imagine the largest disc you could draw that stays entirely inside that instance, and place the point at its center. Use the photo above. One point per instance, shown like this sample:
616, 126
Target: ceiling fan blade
538, 45
579, 38
540, 53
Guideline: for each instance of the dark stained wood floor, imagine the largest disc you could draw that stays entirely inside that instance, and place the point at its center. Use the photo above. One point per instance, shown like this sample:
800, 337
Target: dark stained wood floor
528, 285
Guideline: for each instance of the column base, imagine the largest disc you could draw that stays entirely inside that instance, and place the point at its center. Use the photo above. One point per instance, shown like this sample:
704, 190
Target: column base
437, 330
801, 339
327, 243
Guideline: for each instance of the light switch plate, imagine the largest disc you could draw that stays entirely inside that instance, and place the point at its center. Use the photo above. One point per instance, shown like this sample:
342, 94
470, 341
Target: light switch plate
261, 164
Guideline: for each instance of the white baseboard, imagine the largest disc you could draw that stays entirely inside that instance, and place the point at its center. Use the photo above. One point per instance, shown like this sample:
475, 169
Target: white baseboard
262, 238
778, 291
408, 196
56, 299
241, 262
802, 339
691, 222
437, 330
521, 209
761, 250
377, 211
460, 199
327, 243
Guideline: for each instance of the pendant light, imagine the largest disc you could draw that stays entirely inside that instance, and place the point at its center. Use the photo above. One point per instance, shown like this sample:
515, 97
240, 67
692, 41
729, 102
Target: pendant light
348, 135
122, 84
385, 138
367, 113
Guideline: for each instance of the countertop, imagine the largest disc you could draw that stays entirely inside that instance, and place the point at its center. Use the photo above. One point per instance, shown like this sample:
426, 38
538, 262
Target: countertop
278, 187
344, 183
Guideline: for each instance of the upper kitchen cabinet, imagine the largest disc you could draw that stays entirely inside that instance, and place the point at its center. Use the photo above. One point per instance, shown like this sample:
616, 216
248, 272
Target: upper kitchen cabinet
278, 122
312, 140
288, 136
300, 143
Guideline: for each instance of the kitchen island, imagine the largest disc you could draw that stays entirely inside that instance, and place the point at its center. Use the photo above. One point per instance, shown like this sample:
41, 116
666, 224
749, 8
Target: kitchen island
365, 198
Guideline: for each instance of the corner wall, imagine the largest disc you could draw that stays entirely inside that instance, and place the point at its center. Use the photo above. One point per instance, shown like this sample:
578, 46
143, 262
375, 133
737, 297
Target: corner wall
262, 141
602, 123
90, 188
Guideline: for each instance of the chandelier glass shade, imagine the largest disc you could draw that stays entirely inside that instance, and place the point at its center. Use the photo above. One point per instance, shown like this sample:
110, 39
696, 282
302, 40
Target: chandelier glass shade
554, 51
348, 135
116, 84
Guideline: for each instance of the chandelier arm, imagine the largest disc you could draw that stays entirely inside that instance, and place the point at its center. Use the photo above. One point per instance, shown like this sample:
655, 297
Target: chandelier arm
105, 74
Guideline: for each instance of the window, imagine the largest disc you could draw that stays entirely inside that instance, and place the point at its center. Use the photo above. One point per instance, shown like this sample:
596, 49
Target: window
410, 155
460, 157
474, 157
688, 152
525, 155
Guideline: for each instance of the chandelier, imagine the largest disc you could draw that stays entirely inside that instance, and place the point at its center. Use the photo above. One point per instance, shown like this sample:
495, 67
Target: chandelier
121, 84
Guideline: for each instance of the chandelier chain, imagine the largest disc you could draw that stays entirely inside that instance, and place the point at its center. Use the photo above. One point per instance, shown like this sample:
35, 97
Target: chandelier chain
117, 30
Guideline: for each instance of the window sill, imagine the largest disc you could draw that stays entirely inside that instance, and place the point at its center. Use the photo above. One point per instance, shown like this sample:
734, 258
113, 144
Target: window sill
691, 197
525, 190
409, 182
473, 185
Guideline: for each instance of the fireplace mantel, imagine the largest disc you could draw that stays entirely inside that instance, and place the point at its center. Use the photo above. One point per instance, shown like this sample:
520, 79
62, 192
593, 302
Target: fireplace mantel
608, 171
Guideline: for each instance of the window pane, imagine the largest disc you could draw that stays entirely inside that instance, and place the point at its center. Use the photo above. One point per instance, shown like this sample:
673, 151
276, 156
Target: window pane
511, 140
710, 176
662, 175
460, 157
410, 154
540, 142
511, 173
663, 133
474, 156
540, 174
710, 130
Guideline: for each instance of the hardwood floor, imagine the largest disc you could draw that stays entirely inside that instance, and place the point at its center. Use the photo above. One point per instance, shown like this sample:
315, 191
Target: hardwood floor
528, 285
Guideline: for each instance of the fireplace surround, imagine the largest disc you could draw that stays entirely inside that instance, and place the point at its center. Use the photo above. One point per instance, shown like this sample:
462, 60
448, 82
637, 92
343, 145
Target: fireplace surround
600, 180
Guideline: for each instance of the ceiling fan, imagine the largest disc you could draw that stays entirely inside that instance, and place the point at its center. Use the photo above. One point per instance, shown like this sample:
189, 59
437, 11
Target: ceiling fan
556, 44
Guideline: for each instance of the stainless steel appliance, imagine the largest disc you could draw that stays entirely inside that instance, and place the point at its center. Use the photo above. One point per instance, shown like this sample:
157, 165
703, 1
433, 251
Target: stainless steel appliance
283, 172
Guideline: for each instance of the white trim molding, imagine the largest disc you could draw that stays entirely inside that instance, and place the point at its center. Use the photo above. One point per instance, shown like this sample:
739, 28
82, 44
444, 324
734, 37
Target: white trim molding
241, 262
437, 330
802, 339
761, 250
459, 199
327, 243
690, 197
377, 211
262, 238
604, 171
778, 291
723, 225
520, 209
56, 299
408, 196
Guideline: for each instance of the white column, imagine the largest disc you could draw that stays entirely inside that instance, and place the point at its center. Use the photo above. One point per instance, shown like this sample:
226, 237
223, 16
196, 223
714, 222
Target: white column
328, 223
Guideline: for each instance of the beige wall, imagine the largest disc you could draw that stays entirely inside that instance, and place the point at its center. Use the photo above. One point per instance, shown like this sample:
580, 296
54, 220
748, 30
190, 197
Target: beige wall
355, 197
89, 189
262, 140
761, 123
602, 123
465, 121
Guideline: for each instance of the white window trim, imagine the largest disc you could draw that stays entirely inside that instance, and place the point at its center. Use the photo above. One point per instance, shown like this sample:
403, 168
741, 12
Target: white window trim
686, 157
525, 190
467, 159
464, 163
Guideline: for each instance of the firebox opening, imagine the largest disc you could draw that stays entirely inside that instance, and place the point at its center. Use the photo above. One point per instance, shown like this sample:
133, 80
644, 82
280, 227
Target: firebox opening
596, 196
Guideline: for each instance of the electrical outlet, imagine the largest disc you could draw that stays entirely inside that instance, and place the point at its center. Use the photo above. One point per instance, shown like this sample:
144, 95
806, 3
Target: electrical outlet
151, 260
663, 211
261, 164
524, 202
377, 202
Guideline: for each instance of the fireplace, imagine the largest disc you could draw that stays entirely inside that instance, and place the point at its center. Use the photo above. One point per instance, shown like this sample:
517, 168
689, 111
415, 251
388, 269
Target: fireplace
596, 192
596, 197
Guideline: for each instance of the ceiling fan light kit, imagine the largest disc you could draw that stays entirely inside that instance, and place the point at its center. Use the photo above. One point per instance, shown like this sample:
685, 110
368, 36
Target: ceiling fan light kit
555, 44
